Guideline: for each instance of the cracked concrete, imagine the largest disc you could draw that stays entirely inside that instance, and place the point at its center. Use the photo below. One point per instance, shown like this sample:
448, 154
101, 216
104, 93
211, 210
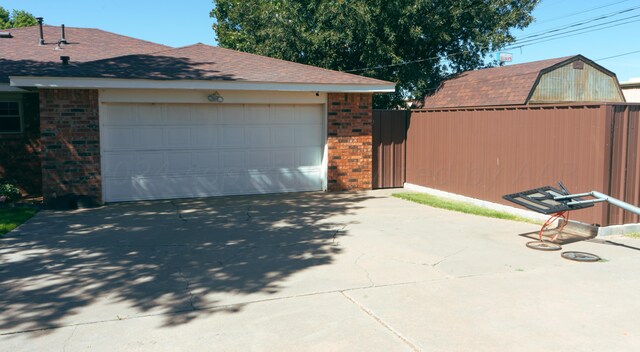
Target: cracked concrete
177, 206
187, 289
325, 272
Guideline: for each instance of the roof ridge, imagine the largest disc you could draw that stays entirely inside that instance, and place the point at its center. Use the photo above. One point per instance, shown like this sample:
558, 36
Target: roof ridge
290, 62
91, 29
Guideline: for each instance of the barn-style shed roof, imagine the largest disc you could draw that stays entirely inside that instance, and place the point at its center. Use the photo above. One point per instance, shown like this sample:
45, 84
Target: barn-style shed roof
517, 85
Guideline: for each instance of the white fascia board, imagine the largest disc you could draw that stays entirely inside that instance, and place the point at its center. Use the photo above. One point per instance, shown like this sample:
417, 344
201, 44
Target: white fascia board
116, 83
5, 87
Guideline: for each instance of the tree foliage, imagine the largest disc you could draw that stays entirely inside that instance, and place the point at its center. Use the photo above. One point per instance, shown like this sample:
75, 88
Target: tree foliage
445, 36
16, 19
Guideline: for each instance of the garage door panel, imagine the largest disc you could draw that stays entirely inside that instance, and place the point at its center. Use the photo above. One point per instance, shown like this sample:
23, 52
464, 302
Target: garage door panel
309, 157
259, 136
146, 115
233, 161
206, 162
283, 114
231, 114
122, 114
232, 136
149, 138
308, 114
259, 159
177, 137
120, 138
204, 114
205, 136
283, 159
151, 164
256, 114
177, 114
178, 163
307, 135
209, 150
284, 135
118, 164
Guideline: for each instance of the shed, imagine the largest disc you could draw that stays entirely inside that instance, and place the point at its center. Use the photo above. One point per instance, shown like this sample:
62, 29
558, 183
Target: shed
631, 90
571, 79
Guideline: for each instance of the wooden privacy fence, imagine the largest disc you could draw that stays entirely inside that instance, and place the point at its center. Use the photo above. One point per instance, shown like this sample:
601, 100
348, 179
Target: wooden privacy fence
487, 152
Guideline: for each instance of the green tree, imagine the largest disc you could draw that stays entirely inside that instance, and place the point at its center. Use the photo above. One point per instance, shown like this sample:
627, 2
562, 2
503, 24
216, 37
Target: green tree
16, 19
4, 18
385, 36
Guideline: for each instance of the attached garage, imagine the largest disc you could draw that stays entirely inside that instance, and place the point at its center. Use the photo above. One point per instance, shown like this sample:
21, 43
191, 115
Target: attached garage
201, 121
162, 151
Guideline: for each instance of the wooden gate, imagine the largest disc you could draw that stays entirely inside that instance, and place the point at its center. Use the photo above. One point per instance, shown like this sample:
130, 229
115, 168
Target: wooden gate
389, 144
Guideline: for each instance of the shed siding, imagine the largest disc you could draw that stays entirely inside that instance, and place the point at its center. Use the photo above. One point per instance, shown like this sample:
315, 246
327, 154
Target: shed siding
568, 84
632, 95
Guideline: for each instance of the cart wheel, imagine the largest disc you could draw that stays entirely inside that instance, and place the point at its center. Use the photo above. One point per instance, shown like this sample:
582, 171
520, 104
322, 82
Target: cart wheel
581, 257
543, 246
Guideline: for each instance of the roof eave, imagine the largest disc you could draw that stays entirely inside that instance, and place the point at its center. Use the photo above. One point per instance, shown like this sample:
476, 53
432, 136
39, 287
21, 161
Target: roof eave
119, 83
5, 87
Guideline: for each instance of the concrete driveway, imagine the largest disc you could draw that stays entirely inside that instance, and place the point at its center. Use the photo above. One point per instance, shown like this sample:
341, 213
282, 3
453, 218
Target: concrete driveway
312, 272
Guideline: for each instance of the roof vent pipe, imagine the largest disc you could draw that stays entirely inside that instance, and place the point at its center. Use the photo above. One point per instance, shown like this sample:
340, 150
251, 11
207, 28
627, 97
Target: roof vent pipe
39, 19
63, 40
65, 60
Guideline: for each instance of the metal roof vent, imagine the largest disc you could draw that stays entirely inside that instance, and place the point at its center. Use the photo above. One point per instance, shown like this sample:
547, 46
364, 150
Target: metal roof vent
5, 35
39, 19
63, 40
65, 60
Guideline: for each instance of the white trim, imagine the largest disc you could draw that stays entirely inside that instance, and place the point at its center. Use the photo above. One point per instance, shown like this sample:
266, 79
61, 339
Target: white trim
325, 147
5, 87
118, 83
165, 96
478, 202
101, 132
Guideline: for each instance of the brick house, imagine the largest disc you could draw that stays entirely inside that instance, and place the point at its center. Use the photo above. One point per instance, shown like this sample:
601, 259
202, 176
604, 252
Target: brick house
124, 119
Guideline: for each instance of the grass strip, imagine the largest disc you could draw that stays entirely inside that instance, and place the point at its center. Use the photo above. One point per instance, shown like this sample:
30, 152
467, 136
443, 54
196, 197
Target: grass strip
461, 207
10, 218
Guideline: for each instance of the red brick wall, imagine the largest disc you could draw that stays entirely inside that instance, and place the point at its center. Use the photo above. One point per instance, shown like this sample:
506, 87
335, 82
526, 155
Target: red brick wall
349, 141
20, 153
70, 136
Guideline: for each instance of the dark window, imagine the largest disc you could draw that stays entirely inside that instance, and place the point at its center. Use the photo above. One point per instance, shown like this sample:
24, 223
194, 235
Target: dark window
10, 121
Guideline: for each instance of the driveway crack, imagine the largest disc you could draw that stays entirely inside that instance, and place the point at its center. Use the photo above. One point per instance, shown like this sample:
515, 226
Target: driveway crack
434, 265
381, 322
187, 289
371, 283
66, 342
178, 211
335, 233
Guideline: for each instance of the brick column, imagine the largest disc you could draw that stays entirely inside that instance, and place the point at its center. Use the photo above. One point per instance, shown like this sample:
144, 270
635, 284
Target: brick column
70, 137
349, 141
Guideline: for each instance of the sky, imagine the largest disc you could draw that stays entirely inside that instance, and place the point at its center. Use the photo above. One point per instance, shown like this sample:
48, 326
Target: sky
185, 22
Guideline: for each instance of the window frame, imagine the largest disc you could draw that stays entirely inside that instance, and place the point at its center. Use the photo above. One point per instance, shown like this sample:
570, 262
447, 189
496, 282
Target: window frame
20, 114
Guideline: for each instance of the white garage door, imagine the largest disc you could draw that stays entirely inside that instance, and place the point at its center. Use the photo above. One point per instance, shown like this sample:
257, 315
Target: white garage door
162, 151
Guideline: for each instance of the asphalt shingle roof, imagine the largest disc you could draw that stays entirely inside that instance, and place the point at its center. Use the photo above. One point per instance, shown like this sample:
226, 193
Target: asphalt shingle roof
22, 54
99, 54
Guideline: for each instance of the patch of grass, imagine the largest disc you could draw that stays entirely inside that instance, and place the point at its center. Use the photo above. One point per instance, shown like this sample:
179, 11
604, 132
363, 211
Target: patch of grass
461, 207
10, 218
635, 235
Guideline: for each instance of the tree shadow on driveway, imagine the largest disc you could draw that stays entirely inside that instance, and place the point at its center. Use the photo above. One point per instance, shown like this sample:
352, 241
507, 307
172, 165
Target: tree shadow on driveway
134, 259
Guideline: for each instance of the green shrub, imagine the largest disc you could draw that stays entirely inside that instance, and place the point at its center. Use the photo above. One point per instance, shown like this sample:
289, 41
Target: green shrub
9, 192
